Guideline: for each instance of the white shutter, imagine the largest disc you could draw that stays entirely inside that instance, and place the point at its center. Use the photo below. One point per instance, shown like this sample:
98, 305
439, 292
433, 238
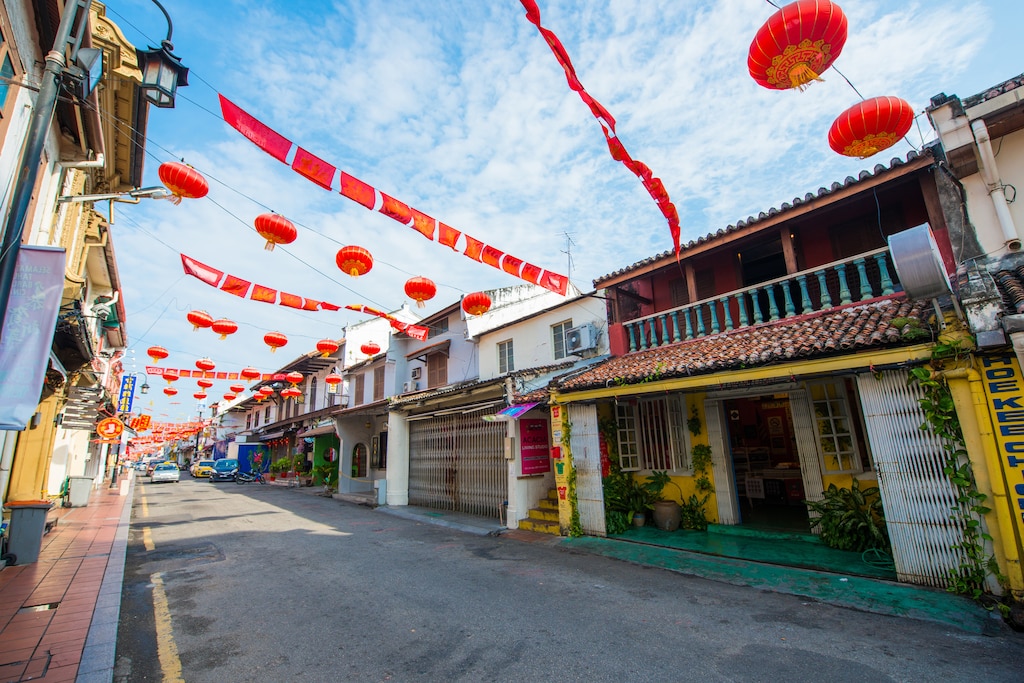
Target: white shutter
586, 457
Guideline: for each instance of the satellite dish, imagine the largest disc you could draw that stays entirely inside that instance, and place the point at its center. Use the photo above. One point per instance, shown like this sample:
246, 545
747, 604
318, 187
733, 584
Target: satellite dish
919, 263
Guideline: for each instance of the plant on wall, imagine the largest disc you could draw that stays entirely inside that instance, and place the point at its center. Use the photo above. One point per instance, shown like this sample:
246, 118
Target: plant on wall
700, 461
693, 424
575, 528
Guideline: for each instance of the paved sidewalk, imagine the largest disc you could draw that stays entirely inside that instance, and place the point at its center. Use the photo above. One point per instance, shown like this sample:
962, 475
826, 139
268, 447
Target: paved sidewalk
58, 615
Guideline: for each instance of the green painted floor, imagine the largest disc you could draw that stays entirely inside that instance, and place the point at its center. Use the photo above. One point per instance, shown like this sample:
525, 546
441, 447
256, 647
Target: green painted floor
791, 563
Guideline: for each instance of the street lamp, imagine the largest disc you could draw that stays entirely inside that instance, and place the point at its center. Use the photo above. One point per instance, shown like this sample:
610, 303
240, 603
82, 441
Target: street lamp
162, 70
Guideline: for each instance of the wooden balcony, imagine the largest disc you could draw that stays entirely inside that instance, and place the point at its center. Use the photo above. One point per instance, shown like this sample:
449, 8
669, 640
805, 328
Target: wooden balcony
839, 283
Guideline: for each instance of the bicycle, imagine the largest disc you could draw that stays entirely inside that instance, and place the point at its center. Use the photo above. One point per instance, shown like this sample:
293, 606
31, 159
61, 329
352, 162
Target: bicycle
246, 477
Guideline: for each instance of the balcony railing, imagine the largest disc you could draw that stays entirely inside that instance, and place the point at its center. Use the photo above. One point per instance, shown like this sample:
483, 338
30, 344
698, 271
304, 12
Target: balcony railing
834, 284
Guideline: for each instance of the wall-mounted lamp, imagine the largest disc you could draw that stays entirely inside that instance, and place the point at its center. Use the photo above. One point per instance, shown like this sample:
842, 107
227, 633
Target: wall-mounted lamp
162, 70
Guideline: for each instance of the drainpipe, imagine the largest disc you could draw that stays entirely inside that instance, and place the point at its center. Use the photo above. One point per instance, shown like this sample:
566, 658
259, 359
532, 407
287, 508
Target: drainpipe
971, 405
990, 174
98, 162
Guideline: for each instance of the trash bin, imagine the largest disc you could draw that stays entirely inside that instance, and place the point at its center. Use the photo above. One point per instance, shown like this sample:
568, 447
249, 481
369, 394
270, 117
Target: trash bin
28, 520
79, 490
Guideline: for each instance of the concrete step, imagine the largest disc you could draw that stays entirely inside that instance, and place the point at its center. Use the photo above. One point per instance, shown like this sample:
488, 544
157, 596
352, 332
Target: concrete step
543, 515
541, 526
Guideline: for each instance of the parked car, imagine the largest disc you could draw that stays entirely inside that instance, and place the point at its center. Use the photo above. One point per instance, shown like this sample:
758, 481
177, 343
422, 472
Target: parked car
224, 470
140, 466
202, 468
166, 471
151, 465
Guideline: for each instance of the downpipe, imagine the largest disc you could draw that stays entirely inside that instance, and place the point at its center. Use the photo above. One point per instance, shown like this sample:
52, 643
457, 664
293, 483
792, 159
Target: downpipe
990, 175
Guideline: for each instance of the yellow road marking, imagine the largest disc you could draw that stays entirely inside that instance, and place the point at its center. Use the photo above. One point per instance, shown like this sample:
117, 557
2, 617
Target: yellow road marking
145, 505
147, 539
166, 648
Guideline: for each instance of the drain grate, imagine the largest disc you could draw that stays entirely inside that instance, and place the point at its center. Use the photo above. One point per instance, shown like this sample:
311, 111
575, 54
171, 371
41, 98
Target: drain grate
39, 608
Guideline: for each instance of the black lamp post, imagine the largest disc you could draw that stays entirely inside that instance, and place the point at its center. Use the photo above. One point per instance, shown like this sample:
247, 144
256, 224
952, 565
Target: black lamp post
162, 70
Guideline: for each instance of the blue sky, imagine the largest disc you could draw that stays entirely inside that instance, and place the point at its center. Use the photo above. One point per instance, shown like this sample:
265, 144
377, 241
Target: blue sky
460, 110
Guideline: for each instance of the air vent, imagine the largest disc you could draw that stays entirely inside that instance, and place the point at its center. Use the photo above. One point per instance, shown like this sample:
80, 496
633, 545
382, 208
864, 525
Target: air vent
582, 338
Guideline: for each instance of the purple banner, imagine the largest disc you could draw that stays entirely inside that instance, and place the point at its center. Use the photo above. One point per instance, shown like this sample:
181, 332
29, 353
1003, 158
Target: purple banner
28, 332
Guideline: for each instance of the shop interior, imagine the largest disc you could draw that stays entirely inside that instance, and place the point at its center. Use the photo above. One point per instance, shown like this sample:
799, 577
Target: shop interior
762, 443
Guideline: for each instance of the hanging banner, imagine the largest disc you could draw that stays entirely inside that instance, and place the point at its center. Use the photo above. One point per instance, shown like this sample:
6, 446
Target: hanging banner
126, 395
417, 332
28, 332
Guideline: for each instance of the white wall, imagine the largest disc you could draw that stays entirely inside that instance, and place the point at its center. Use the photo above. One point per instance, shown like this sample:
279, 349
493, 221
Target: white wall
1010, 163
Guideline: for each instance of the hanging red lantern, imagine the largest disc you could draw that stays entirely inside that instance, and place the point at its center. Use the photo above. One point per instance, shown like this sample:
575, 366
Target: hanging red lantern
291, 392
370, 348
266, 390
327, 346
224, 327
236, 388
199, 395
249, 374
170, 375
353, 260
199, 319
332, 379
260, 397
229, 397
420, 289
293, 378
476, 303
205, 364
274, 340
157, 353
204, 383
870, 126
797, 44
183, 181
275, 230
170, 391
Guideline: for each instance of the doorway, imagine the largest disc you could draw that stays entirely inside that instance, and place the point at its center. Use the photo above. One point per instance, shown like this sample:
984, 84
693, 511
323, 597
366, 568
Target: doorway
765, 463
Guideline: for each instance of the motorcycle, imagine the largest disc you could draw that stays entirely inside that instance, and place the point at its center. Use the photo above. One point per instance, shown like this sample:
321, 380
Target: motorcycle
246, 477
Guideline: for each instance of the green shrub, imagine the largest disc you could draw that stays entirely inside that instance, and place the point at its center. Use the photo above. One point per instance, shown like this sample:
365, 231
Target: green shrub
850, 519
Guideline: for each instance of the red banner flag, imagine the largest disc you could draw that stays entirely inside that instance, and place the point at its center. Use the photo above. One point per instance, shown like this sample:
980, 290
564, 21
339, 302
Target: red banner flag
210, 276
314, 168
392, 208
262, 136
358, 191
235, 285
291, 300
424, 224
264, 294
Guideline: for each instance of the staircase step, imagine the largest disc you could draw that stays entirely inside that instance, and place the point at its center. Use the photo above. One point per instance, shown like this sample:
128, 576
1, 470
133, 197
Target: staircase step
548, 504
543, 515
540, 526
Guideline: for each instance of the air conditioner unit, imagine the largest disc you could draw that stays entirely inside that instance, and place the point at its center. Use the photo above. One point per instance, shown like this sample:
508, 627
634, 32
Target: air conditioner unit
582, 338
416, 373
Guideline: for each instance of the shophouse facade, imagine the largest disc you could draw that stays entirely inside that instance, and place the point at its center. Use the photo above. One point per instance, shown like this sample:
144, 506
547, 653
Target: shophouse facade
95, 145
783, 343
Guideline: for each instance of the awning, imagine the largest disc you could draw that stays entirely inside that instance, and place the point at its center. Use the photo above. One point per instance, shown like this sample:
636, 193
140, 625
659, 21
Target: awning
512, 412
317, 431
270, 436
424, 351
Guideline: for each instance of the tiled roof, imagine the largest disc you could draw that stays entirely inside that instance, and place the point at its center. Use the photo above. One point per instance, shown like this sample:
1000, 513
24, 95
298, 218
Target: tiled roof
838, 331
994, 91
770, 213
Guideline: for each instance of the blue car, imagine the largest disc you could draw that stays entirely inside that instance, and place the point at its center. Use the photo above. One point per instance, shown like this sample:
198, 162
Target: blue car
224, 470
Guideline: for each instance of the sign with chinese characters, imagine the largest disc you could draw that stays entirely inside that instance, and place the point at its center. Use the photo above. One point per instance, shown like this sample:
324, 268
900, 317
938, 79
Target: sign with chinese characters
28, 332
534, 447
109, 428
126, 395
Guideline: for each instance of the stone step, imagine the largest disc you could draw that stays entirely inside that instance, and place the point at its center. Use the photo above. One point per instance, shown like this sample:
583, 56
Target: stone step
541, 526
543, 515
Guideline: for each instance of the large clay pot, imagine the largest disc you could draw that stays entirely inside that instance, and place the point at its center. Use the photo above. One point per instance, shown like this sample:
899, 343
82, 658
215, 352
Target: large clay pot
667, 515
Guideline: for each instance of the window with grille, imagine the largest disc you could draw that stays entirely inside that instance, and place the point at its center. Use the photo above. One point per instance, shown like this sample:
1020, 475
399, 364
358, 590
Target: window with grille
835, 428
558, 338
378, 383
506, 361
312, 394
359, 390
652, 434
248, 421
266, 416
439, 328
437, 370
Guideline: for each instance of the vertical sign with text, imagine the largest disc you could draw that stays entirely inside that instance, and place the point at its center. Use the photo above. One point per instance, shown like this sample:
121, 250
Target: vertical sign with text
126, 395
1004, 390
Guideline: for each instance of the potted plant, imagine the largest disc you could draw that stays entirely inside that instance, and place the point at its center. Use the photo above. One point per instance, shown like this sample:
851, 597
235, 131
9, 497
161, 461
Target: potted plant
326, 474
667, 513
282, 466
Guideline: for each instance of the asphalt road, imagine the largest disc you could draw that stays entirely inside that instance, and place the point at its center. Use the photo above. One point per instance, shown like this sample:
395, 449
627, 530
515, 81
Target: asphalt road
229, 583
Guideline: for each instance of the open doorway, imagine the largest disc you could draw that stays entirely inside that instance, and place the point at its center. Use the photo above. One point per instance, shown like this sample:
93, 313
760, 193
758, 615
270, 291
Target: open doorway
766, 464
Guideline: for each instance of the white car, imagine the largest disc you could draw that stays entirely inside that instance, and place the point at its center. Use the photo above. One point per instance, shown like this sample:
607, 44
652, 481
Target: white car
165, 471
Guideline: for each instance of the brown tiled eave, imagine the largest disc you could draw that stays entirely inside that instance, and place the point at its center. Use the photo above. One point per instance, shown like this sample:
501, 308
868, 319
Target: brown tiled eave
835, 332
535, 396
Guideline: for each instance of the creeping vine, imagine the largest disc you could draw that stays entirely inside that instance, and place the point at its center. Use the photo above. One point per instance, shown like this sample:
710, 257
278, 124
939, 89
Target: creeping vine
575, 528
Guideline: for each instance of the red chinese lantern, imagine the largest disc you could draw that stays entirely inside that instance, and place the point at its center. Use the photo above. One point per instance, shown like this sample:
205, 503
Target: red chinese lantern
157, 353
260, 397
274, 340
170, 391
797, 44
266, 390
183, 181
420, 289
229, 397
332, 379
199, 395
199, 319
293, 378
291, 392
476, 303
275, 230
236, 388
870, 126
205, 364
249, 374
370, 348
327, 346
204, 383
224, 327
353, 260
170, 375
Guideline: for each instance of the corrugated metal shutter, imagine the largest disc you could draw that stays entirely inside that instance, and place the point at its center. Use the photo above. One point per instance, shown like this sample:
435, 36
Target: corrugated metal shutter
916, 493
586, 456
457, 462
